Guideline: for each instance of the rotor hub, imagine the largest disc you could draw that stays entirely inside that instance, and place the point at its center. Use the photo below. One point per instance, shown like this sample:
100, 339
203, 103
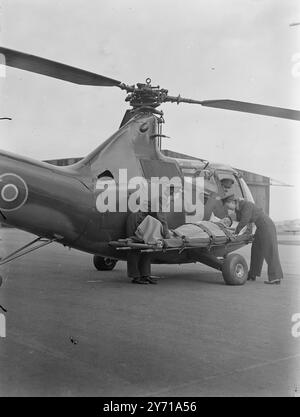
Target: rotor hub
146, 95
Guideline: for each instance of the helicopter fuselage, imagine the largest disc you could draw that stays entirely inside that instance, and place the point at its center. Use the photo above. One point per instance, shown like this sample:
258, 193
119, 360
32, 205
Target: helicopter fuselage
60, 203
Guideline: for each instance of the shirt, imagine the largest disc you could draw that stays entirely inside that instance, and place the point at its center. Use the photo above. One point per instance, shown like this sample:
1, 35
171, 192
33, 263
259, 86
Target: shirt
246, 213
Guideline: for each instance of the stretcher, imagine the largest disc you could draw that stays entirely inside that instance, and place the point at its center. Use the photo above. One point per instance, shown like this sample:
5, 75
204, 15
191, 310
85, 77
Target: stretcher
203, 234
206, 242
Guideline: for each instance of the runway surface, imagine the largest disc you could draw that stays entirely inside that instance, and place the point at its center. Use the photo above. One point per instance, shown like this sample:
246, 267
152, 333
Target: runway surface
71, 330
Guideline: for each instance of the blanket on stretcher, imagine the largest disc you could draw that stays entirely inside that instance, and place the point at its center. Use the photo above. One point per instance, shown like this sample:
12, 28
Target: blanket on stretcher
199, 234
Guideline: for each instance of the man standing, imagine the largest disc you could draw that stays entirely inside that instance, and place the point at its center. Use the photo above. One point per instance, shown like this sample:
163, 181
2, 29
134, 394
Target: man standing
139, 263
213, 206
264, 245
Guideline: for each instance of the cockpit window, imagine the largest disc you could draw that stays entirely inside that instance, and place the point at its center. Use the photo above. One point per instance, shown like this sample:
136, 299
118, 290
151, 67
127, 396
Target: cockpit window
247, 191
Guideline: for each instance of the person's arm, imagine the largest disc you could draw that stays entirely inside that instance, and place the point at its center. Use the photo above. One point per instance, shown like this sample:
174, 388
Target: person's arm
163, 219
209, 206
246, 216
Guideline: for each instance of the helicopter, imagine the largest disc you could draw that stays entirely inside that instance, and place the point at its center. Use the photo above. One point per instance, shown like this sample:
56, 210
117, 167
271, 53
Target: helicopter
59, 203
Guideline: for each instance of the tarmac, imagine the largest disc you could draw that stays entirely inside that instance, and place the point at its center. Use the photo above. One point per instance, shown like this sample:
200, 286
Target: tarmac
75, 331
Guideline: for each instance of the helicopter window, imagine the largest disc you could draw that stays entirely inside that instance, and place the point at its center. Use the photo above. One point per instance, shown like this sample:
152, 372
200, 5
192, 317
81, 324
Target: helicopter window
105, 175
158, 168
210, 186
247, 191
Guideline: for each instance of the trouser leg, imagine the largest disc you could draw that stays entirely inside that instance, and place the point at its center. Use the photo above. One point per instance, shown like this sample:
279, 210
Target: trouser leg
257, 258
272, 257
274, 266
144, 265
133, 259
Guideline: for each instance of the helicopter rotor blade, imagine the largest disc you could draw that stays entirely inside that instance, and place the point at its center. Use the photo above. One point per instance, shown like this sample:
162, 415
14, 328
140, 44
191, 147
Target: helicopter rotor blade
242, 106
253, 108
75, 75
54, 69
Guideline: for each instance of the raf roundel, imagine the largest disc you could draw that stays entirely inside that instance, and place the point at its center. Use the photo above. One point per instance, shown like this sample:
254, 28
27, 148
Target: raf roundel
13, 192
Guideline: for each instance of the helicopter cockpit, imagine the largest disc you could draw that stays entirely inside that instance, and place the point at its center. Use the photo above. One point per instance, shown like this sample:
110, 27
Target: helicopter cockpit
212, 186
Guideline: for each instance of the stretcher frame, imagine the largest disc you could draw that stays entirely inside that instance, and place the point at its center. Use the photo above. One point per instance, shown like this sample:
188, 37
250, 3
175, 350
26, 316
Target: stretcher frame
129, 244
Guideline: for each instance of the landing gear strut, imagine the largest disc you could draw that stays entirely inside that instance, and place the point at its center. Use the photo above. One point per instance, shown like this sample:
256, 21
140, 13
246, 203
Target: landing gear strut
29, 247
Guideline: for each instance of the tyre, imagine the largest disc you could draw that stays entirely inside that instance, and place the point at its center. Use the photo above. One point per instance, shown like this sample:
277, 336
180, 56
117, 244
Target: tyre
104, 264
235, 269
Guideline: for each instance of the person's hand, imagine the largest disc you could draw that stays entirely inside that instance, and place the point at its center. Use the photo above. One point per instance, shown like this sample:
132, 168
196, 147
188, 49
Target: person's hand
167, 234
234, 236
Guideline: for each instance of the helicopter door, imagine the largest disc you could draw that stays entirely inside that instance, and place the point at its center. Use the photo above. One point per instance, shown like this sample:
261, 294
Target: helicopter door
159, 168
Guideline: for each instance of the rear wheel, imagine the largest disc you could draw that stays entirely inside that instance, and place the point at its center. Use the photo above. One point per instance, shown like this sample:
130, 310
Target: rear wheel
104, 264
235, 269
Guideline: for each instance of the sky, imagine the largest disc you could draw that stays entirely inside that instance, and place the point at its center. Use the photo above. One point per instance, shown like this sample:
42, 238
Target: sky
203, 49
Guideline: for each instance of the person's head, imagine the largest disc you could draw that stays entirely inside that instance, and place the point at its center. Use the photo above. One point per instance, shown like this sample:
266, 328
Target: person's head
229, 202
227, 184
227, 221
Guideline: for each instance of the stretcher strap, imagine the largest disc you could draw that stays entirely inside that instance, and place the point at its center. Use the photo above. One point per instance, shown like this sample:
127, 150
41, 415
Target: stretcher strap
226, 231
211, 235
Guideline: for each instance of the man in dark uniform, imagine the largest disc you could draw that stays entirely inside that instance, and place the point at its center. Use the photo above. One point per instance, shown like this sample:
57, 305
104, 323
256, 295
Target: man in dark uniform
264, 245
212, 201
139, 263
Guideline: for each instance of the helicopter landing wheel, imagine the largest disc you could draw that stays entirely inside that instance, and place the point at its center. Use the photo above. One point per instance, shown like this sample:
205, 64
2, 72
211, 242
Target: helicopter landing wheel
235, 269
104, 264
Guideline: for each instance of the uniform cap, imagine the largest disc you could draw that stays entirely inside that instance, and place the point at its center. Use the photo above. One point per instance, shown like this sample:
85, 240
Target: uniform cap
227, 179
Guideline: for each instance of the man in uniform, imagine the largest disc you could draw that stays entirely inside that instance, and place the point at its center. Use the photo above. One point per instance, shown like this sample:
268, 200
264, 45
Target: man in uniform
264, 245
213, 207
227, 183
